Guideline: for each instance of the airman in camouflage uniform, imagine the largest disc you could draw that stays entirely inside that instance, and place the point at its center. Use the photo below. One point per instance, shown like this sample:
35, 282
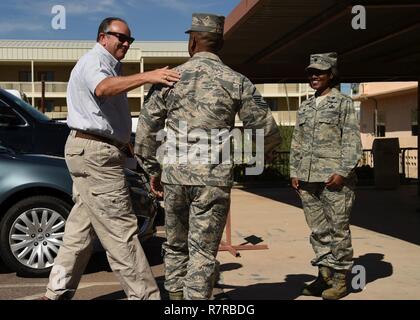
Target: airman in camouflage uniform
197, 195
325, 150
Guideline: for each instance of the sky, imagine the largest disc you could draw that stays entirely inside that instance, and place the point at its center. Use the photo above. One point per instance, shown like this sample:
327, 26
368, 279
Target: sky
149, 20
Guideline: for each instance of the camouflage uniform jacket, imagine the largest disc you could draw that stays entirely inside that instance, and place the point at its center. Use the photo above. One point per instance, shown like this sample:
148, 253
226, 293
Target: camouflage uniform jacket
207, 97
326, 139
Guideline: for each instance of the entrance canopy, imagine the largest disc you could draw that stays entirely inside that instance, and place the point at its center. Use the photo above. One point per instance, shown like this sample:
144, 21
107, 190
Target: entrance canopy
271, 40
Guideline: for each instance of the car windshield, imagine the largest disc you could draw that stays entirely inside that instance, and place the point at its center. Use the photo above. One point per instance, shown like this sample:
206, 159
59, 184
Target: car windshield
27, 107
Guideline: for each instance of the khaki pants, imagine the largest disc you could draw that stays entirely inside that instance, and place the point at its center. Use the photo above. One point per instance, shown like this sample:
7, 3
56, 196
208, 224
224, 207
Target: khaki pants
103, 209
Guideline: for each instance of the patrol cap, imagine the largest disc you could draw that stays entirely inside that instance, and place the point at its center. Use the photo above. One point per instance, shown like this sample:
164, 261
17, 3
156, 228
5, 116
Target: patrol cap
207, 22
323, 61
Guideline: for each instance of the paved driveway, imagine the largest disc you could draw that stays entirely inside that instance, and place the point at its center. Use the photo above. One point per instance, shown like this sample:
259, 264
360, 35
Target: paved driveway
386, 239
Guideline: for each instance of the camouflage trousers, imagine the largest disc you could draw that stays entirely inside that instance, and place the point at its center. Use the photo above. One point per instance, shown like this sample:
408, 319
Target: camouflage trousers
327, 214
195, 217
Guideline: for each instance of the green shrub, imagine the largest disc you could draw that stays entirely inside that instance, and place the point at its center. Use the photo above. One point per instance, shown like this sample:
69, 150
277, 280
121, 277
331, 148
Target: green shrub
278, 170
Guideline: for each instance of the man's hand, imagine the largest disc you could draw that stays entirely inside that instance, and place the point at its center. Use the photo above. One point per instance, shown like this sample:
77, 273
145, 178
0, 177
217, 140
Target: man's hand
295, 184
164, 75
335, 182
113, 86
156, 186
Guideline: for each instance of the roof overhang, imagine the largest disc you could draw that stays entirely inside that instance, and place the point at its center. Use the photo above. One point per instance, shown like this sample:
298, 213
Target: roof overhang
412, 89
271, 40
59, 51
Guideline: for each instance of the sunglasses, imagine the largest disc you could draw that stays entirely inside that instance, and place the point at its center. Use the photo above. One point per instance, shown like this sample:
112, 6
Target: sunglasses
316, 72
121, 37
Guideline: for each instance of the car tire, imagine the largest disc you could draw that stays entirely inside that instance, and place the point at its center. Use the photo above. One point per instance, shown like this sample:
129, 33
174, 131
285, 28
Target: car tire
18, 229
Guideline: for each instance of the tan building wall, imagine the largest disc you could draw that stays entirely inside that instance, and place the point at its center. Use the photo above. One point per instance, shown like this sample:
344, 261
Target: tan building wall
397, 112
59, 57
380, 88
396, 105
10, 71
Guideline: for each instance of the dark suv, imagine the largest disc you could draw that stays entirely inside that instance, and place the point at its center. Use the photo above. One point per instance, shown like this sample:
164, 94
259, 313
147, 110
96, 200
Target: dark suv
36, 188
24, 128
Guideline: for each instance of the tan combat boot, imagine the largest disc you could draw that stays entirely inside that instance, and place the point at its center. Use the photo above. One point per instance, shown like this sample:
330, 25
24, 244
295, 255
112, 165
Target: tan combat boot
339, 286
177, 295
321, 283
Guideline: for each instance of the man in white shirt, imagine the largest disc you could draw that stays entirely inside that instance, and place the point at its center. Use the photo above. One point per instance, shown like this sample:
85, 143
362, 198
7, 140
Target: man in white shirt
99, 116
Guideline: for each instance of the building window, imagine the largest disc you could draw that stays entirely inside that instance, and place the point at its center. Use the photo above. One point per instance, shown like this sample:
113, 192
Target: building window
380, 129
48, 75
25, 76
355, 89
380, 126
286, 104
414, 124
414, 130
9, 117
357, 110
48, 105
273, 103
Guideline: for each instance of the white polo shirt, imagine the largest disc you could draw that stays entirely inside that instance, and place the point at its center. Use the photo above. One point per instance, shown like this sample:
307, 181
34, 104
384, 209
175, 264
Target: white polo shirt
106, 116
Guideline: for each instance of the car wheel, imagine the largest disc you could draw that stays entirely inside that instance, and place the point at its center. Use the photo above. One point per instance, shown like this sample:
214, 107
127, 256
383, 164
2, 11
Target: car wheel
31, 233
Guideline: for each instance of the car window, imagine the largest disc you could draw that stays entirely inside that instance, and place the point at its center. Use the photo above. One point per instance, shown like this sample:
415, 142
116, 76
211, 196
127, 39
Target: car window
6, 150
26, 106
9, 116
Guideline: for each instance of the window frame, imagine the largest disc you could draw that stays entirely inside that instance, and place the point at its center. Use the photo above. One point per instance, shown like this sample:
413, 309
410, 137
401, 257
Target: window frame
18, 115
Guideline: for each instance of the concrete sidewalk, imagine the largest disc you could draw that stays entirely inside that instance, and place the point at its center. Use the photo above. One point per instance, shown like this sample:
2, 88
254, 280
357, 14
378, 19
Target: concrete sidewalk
391, 257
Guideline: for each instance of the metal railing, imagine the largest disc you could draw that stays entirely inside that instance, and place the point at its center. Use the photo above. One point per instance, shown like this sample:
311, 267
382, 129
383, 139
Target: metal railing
407, 160
280, 89
278, 170
50, 87
20, 86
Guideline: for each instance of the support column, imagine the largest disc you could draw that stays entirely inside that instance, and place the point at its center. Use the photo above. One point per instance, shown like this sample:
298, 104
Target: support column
33, 82
288, 104
300, 94
418, 137
142, 87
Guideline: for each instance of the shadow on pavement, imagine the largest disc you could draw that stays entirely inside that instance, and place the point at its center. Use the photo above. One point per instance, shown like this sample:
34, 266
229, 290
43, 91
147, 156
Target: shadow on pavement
120, 295
230, 266
375, 268
152, 248
218, 292
99, 262
117, 295
290, 289
391, 212
287, 290
284, 195
3, 268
